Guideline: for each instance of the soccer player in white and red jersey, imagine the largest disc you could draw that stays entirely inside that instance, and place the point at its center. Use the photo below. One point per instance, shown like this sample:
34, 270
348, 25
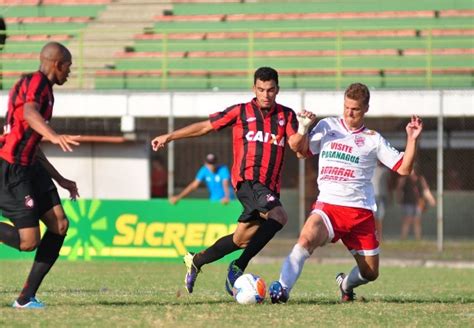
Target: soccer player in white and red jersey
348, 154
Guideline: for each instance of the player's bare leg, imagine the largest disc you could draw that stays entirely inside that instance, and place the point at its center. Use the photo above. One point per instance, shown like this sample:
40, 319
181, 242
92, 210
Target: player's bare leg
378, 228
29, 238
274, 220
9, 235
46, 254
417, 227
407, 221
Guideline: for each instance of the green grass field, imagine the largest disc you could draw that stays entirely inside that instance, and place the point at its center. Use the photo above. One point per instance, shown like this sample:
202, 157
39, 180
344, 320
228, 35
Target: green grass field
122, 294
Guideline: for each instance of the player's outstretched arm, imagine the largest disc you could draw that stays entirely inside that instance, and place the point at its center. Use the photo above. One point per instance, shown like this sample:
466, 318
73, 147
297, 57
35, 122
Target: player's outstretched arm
413, 129
192, 130
299, 142
225, 185
67, 184
186, 191
37, 123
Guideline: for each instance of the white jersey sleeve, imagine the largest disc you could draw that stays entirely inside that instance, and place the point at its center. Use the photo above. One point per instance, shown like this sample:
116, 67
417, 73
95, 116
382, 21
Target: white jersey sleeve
316, 135
388, 155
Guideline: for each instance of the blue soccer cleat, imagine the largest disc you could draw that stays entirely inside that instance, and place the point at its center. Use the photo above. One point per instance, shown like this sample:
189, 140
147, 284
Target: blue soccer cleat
32, 304
278, 293
233, 272
191, 272
345, 296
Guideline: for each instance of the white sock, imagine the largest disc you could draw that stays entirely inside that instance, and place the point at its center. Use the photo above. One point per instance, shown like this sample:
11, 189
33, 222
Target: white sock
293, 265
353, 279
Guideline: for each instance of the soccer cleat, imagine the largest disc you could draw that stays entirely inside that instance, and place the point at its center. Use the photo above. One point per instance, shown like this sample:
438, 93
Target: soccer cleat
233, 272
32, 304
191, 272
278, 293
345, 296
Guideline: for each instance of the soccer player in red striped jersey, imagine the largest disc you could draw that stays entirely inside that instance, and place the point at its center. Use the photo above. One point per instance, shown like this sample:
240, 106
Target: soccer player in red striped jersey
27, 193
261, 128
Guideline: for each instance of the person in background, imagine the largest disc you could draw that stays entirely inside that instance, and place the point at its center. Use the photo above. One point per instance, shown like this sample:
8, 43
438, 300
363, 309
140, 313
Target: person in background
159, 179
413, 192
3, 38
217, 178
380, 181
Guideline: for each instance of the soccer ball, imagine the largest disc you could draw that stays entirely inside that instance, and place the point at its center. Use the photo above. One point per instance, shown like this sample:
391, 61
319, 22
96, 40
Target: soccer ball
249, 289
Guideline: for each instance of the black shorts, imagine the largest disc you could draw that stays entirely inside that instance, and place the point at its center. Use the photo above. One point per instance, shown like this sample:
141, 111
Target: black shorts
26, 193
255, 198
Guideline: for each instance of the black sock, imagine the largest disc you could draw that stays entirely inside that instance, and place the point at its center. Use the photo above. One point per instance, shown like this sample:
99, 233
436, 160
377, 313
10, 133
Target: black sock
46, 255
9, 235
264, 234
221, 248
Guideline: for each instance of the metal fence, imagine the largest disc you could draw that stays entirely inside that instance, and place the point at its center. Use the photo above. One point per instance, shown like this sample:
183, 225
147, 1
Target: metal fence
445, 158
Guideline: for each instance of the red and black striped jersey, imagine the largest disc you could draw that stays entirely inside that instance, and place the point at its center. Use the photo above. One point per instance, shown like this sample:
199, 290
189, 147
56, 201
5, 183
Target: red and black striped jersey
21, 141
258, 141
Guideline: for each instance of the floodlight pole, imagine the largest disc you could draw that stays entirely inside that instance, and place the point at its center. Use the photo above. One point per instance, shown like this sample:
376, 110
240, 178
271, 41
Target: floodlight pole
439, 175
301, 182
171, 148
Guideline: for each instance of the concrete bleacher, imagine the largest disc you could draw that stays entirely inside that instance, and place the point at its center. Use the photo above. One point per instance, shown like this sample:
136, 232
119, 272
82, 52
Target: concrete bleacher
52, 2
314, 45
30, 26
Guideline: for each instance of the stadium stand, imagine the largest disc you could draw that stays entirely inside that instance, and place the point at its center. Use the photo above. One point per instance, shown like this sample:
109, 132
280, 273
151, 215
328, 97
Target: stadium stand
51, 2
398, 46
320, 45
29, 26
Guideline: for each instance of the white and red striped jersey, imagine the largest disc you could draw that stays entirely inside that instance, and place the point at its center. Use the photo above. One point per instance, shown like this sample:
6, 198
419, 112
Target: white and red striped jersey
347, 160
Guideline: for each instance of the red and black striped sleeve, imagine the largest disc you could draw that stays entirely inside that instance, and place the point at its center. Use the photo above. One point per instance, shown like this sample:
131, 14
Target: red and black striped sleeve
292, 125
226, 118
36, 87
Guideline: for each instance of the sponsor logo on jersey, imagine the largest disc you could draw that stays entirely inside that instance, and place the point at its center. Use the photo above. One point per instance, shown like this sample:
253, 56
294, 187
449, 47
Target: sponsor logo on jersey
338, 171
265, 137
270, 198
29, 202
340, 155
359, 141
334, 173
340, 146
251, 119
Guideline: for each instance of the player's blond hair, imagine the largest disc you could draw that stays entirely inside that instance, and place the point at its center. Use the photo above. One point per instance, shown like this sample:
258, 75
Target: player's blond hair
359, 92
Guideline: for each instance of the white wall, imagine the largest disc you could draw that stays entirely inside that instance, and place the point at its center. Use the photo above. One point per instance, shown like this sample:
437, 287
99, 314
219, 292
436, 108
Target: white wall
114, 171
399, 103
104, 171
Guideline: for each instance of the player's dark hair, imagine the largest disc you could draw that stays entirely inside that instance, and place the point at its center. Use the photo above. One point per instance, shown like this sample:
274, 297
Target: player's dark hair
359, 92
265, 74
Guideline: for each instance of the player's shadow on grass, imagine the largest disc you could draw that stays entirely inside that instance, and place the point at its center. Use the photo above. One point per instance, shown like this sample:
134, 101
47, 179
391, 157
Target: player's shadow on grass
403, 300
319, 301
161, 303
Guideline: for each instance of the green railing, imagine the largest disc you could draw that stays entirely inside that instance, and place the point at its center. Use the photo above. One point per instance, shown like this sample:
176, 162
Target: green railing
331, 63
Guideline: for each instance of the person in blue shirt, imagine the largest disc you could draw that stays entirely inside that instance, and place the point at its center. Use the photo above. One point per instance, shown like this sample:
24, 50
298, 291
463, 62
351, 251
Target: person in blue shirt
217, 178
